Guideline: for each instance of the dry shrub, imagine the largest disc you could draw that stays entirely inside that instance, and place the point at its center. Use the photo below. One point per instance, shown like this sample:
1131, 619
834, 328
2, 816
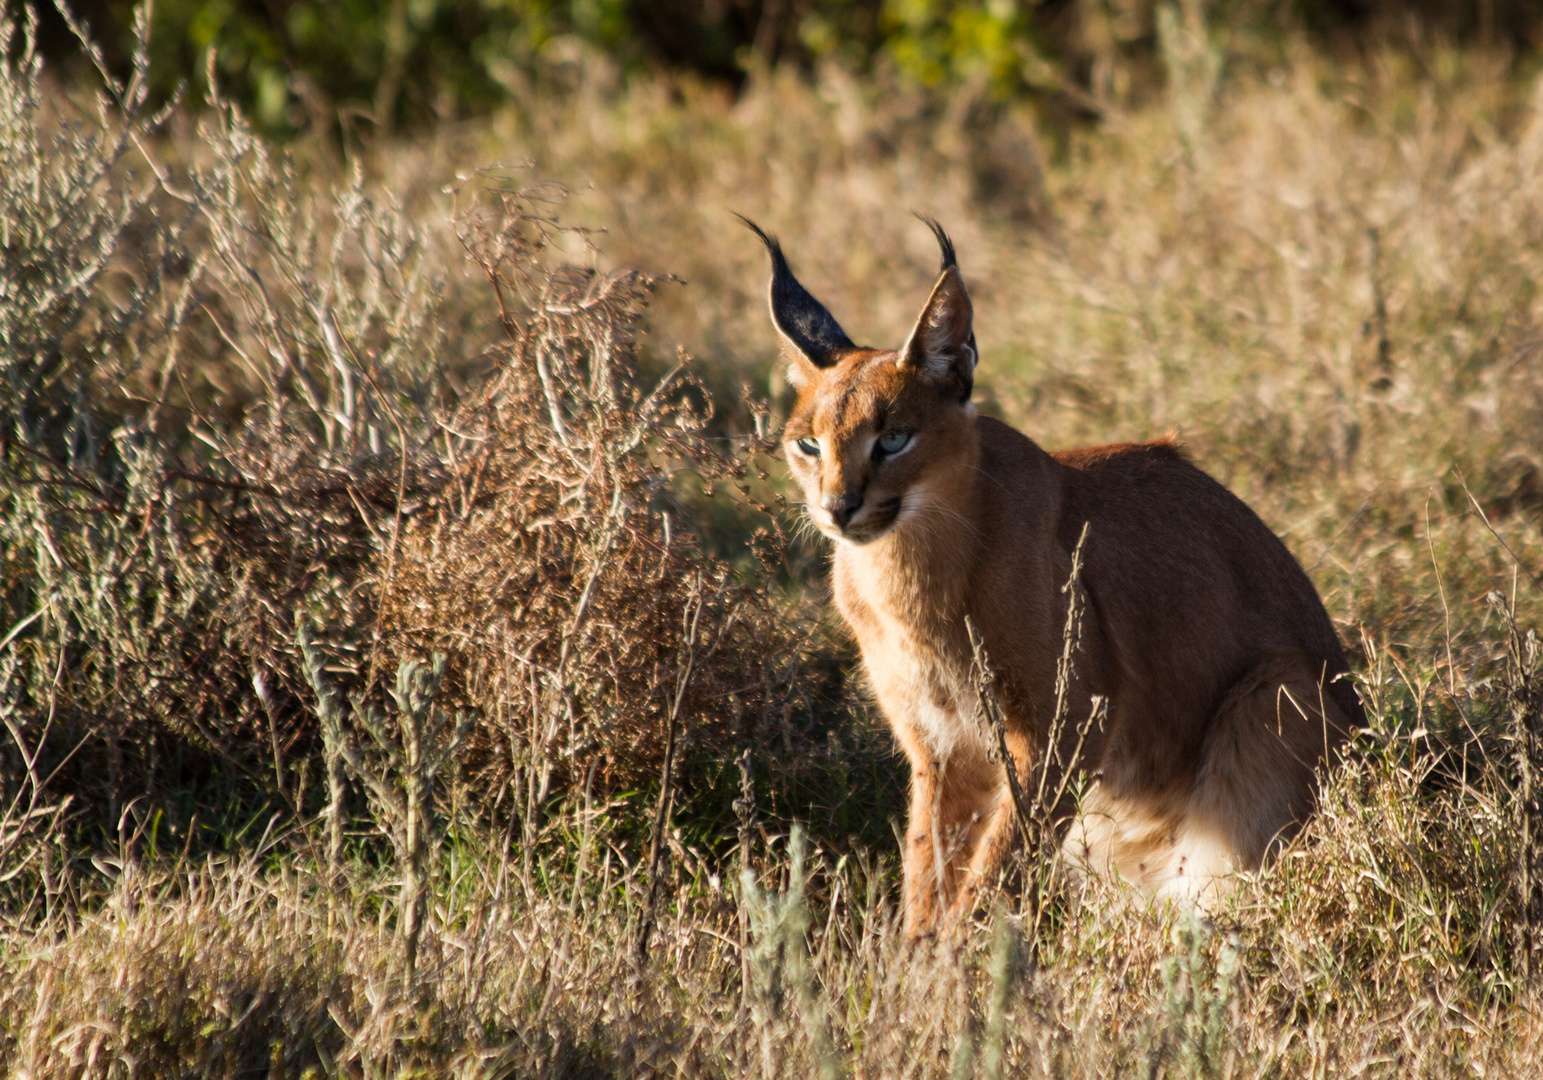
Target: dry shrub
556, 563
267, 398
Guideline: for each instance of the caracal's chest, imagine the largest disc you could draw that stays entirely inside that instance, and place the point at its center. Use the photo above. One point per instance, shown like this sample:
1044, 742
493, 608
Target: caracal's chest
918, 684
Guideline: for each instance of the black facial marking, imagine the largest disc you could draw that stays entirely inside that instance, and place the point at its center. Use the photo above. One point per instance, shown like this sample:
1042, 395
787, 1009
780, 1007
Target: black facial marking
885, 513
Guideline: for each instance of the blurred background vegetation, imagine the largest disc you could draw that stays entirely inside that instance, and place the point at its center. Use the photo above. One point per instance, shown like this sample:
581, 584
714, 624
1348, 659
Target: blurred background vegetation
295, 64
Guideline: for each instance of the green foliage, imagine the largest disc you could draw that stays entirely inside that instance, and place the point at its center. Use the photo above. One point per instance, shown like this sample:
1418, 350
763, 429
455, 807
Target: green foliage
358, 66
956, 41
1192, 1035
378, 63
397, 766
781, 988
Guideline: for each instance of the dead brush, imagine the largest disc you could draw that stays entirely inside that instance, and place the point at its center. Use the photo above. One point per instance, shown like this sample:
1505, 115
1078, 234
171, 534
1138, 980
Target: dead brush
1521, 684
555, 565
280, 421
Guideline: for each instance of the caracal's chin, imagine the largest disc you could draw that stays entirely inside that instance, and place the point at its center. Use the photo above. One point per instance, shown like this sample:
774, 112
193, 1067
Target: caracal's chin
858, 538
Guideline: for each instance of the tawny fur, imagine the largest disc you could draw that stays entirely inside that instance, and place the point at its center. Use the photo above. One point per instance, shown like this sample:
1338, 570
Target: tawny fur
1219, 664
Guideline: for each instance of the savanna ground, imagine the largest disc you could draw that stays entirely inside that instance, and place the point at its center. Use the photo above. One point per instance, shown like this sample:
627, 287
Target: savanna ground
410, 665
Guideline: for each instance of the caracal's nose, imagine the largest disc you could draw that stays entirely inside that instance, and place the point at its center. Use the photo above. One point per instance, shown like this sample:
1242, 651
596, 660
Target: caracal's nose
842, 507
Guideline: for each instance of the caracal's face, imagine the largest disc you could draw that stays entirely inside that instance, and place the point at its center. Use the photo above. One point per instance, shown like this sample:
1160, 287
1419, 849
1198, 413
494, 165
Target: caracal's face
879, 437
875, 444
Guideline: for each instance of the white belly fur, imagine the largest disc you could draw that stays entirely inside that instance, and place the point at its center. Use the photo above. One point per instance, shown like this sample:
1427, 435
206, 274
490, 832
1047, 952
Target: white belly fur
1168, 856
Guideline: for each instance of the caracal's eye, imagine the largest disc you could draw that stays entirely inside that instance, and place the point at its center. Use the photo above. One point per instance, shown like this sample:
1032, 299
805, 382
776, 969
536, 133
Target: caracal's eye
809, 446
892, 442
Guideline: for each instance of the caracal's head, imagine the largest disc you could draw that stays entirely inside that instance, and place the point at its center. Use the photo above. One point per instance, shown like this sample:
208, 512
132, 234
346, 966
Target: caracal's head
880, 439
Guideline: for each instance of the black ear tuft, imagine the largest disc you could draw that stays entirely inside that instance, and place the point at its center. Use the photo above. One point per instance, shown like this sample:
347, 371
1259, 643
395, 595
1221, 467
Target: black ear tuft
942, 344
948, 296
799, 317
949, 259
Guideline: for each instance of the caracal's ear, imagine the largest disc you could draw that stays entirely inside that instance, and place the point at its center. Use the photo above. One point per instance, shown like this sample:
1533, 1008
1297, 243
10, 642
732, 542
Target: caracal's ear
814, 339
942, 344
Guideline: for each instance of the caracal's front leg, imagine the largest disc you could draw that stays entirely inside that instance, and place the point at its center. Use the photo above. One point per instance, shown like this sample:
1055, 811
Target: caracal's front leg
997, 839
951, 813
924, 886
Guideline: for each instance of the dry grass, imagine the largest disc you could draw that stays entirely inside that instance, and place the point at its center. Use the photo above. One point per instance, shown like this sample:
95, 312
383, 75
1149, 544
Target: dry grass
248, 393
1369, 950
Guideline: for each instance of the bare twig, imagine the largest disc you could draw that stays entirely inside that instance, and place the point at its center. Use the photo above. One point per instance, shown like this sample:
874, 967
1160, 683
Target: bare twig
1051, 777
1522, 679
684, 668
